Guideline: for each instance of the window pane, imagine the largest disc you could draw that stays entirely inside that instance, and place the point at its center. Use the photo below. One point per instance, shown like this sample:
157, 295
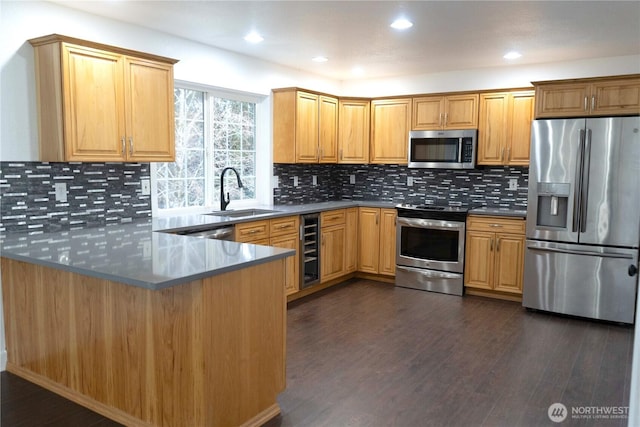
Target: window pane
192, 182
234, 145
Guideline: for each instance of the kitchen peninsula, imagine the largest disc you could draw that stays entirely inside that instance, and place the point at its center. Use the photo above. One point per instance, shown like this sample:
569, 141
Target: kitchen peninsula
148, 328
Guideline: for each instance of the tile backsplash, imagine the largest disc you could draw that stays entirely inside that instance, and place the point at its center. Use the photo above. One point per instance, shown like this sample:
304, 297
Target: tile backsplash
487, 186
97, 194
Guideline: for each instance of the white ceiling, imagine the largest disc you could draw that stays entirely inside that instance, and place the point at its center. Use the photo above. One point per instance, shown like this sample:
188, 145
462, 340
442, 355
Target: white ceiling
446, 36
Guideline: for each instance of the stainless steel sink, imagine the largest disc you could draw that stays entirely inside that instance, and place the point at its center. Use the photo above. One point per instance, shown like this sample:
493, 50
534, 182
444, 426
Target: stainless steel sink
242, 213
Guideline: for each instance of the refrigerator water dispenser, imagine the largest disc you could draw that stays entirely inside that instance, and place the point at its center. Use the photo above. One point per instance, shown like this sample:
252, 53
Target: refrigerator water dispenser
553, 204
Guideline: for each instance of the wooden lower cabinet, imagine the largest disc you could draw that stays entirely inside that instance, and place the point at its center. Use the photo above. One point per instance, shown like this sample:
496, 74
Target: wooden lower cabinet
377, 241
281, 233
351, 241
333, 239
494, 260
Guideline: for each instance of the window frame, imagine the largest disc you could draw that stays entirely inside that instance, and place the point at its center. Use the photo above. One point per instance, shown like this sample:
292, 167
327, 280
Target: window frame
264, 156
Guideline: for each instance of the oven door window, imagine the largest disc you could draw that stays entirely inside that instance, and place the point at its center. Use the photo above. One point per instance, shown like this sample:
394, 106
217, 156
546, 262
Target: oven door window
429, 244
435, 150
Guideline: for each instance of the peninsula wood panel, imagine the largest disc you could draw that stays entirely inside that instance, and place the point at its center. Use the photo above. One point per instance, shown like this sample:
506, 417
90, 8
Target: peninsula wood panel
209, 352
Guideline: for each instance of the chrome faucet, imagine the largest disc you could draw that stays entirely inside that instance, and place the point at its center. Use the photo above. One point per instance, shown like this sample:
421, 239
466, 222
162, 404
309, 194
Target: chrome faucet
225, 202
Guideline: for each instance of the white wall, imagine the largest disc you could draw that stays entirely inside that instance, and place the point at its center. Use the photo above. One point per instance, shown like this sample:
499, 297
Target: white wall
513, 76
20, 21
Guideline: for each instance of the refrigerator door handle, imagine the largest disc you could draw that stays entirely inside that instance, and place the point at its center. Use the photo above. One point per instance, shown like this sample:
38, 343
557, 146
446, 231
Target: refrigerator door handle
585, 182
578, 252
577, 192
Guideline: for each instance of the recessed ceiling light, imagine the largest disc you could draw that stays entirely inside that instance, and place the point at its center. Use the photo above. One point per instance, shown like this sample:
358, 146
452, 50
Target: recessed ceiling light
320, 59
512, 55
253, 37
401, 24
357, 71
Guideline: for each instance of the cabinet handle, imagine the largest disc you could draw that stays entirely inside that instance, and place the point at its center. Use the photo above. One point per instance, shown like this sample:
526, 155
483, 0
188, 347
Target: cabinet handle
585, 103
491, 245
376, 219
124, 145
593, 102
131, 145
440, 120
446, 118
495, 225
285, 226
341, 154
498, 245
502, 154
508, 153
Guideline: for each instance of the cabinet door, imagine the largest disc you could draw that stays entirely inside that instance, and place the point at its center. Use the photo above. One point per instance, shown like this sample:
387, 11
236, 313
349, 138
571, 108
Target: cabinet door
616, 97
492, 129
390, 123
479, 260
328, 124
509, 252
519, 136
291, 277
461, 112
150, 111
353, 140
368, 239
351, 241
387, 259
562, 100
306, 128
427, 113
332, 255
94, 114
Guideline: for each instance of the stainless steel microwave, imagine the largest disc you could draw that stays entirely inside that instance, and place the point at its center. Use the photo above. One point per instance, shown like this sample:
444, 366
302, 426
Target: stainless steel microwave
443, 149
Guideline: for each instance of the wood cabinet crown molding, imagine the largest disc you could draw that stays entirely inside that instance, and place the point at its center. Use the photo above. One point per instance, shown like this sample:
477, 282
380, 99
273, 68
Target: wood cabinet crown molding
53, 38
99, 103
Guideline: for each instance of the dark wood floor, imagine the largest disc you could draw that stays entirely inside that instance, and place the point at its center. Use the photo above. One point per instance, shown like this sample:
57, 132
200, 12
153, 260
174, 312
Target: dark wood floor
370, 354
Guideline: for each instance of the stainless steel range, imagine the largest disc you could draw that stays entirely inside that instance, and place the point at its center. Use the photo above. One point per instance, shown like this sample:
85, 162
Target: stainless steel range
430, 247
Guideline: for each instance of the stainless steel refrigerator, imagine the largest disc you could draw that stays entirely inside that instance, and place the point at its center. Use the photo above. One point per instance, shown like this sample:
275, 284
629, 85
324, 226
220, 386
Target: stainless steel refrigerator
583, 217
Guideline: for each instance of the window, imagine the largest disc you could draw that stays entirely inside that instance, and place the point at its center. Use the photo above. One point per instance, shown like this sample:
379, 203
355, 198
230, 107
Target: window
213, 131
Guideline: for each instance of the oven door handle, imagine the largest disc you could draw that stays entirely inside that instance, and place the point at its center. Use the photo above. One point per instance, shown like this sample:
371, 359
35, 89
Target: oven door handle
430, 223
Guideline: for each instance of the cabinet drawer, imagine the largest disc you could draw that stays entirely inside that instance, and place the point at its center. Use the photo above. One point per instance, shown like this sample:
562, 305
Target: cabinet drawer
282, 226
496, 224
252, 231
335, 217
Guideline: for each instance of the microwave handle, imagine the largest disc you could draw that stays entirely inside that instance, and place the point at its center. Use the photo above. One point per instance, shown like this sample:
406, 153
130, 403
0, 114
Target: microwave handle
460, 144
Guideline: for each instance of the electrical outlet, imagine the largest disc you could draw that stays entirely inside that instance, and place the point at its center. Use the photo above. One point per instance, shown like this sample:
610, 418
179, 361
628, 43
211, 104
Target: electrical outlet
409, 181
145, 186
295, 181
61, 191
275, 181
513, 184
314, 179
352, 179
146, 249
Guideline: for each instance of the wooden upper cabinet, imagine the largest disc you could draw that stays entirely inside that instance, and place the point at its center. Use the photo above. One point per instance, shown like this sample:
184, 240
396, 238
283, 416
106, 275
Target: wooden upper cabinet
328, 130
588, 97
390, 124
102, 103
445, 112
353, 131
504, 128
305, 127
306, 131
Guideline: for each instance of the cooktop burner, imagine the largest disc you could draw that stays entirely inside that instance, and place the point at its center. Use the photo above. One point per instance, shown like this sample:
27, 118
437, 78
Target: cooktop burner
434, 211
